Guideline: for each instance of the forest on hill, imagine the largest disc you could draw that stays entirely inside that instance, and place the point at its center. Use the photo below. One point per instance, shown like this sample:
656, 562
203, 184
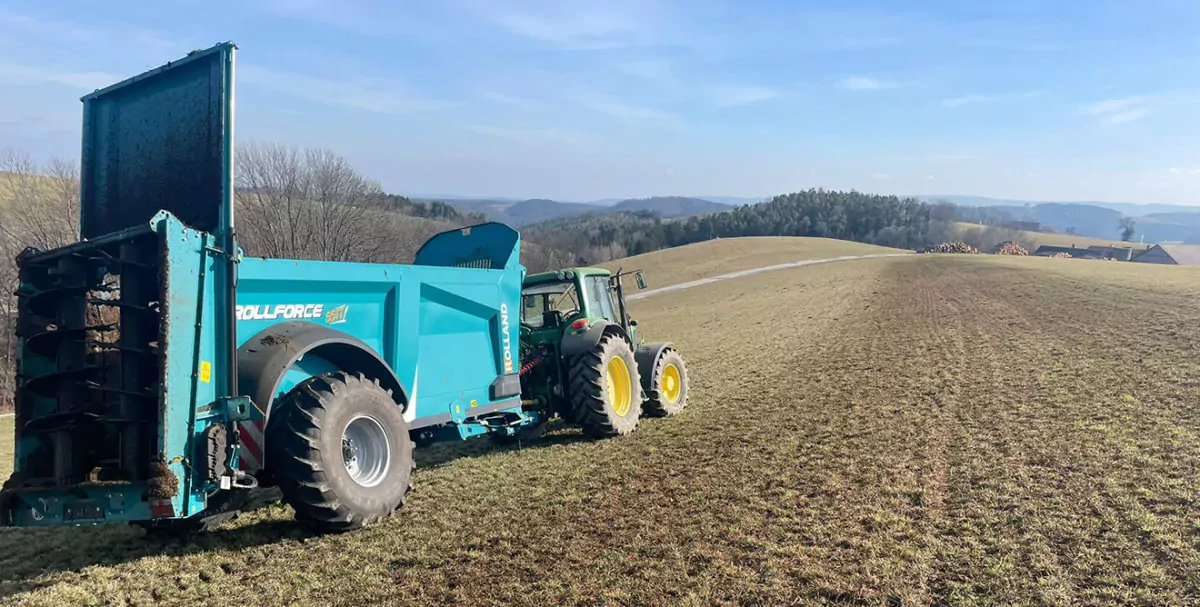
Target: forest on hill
876, 219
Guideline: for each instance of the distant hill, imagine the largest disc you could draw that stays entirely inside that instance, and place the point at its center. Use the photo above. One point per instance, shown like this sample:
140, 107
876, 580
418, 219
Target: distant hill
1131, 209
735, 200
1154, 222
671, 206
537, 210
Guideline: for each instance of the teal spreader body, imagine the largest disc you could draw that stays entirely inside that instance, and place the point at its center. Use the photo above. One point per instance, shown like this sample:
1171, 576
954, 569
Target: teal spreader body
151, 352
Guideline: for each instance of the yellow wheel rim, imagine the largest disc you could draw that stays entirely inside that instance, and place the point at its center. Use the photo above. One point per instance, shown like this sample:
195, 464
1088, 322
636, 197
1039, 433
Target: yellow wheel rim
672, 384
620, 392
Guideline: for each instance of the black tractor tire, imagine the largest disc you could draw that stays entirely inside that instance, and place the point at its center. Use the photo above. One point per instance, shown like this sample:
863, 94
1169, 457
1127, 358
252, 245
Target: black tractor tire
307, 442
666, 392
593, 406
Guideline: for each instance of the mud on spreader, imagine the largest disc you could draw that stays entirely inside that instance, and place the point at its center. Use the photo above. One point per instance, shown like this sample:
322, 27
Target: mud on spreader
164, 377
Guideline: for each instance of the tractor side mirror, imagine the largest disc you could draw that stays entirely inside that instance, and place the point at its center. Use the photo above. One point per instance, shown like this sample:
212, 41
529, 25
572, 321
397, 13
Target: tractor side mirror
641, 279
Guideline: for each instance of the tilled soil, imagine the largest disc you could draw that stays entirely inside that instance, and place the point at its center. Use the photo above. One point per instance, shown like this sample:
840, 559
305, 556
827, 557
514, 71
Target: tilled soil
931, 430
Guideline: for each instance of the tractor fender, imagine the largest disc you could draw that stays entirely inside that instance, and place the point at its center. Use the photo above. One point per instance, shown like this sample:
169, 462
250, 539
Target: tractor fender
265, 358
646, 357
574, 345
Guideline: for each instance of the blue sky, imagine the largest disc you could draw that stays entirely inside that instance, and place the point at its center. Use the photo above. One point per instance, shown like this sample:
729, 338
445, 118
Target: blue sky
579, 100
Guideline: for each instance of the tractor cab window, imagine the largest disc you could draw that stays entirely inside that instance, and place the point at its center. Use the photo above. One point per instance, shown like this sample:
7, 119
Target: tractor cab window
547, 305
601, 297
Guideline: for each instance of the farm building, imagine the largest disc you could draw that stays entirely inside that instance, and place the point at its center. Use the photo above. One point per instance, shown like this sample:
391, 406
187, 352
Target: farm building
1171, 254
1118, 253
1091, 252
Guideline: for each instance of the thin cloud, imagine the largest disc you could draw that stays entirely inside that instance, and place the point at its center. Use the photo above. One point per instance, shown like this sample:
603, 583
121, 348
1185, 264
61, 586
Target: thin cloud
1123, 117
975, 98
1118, 111
18, 75
530, 135
624, 111
27, 27
651, 69
864, 83
737, 96
967, 99
516, 102
1112, 106
371, 94
591, 25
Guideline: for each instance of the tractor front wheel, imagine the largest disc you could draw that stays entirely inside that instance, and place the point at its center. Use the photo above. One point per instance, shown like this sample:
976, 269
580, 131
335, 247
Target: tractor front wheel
667, 386
339, 447
605, 390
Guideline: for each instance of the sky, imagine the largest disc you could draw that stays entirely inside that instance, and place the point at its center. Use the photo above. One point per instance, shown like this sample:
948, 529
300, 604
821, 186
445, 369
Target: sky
583, 100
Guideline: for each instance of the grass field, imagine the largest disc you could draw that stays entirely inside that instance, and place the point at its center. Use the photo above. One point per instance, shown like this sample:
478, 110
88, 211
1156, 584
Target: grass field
927, 430
1061, 240
722, 256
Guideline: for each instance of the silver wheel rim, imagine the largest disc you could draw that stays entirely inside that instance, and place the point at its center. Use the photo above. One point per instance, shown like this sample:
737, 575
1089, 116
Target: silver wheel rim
366, 451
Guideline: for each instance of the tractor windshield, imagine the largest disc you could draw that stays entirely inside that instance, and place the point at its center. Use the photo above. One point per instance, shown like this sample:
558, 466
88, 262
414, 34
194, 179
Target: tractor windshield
547, 304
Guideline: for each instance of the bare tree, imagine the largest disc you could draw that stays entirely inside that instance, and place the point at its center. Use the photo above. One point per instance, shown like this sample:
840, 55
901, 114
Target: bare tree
1127, 227
42, 202
39, 207
306, 204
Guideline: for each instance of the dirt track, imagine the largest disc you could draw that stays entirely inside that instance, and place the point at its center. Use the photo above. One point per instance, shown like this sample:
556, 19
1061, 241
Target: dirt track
917, 431
751, 272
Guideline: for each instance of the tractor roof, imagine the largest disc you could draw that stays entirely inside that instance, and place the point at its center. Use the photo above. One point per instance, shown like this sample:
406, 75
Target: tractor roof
566, 274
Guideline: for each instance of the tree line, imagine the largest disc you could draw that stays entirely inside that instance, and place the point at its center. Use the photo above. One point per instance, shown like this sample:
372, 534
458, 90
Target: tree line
877, 219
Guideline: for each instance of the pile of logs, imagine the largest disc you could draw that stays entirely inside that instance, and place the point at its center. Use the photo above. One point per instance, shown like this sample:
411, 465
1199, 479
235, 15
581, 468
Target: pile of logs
1011, 248
955, 247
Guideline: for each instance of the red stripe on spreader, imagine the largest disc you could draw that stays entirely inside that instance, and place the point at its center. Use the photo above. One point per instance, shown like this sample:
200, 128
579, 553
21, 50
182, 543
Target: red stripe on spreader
161, 508
255, 451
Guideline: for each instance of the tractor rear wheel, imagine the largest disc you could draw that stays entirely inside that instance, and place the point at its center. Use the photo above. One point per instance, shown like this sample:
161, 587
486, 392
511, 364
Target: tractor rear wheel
605, 390
339, 448
667, 386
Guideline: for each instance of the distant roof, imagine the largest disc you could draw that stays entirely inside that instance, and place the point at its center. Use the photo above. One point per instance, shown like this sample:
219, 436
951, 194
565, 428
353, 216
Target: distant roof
1050, 249
1183, 254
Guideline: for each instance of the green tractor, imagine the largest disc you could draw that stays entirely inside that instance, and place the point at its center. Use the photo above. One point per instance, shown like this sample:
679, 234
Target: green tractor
584, 358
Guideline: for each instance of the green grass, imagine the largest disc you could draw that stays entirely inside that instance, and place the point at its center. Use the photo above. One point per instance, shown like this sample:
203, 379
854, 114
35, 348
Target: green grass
928, 430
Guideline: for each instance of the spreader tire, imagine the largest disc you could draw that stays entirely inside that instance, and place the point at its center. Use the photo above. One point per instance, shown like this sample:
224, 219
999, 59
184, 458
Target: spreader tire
666, 388
605, 389
339, 447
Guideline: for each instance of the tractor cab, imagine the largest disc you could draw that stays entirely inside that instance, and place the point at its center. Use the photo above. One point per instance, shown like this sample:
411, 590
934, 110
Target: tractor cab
572, 301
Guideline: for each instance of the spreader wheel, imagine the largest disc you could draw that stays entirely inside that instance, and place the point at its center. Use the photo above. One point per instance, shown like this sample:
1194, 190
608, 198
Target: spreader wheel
341, 452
